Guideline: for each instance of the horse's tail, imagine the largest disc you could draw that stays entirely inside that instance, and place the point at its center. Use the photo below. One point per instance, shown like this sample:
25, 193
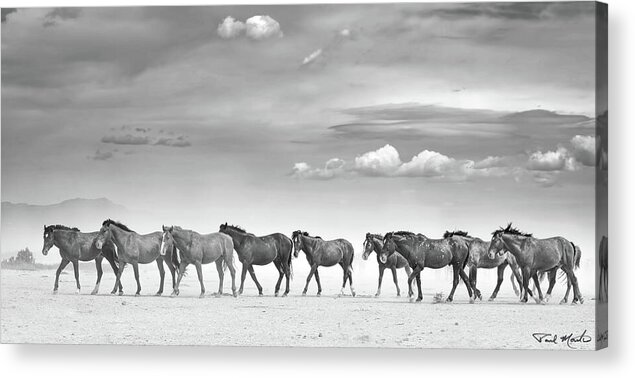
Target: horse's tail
290, 260
577, 255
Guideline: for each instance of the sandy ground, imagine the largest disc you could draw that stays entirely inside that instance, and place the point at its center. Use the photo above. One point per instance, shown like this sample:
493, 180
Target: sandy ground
30, 313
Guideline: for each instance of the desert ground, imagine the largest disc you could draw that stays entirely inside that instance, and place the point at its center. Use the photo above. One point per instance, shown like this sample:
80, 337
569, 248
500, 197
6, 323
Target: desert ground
31, 313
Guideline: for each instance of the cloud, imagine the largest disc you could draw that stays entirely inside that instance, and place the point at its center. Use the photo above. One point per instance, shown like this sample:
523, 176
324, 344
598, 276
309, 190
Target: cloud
558, 160
584, 149
333, 168
230, 28
60, 14
99, 155
6, 12
384, 161
311, 57
491, 162
126, 139
430, 164
262, 27
179, 141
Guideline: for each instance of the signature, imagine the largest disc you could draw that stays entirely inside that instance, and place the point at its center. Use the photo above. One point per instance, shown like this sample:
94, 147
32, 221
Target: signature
570, 339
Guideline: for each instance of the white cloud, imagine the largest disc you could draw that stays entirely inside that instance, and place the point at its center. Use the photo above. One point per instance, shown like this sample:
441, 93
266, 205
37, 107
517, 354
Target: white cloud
548, 161
584, 149
382, 162
345, 33
428, 164
230, 28
262, 27
490, 162
311, 57
333, 168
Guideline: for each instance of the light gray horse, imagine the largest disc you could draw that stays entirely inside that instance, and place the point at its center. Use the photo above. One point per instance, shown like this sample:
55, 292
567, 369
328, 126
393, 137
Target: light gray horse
137, 249
200, 249
537, 255
374, 243
321, 252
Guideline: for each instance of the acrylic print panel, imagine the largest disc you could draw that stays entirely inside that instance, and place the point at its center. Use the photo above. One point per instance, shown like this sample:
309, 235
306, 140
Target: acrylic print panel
407, 136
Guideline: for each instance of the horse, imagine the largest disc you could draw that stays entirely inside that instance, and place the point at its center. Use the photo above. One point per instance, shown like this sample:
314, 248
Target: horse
478, 259
137, 249
422, 252
321, 252
261, 250
604, 270
537, 255
200, 249
76, 246
374, 243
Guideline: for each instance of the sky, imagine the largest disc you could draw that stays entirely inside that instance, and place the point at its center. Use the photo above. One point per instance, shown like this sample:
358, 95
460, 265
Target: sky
334, 119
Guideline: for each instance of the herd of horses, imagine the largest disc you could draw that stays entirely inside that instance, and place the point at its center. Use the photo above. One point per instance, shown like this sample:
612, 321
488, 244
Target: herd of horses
528, 257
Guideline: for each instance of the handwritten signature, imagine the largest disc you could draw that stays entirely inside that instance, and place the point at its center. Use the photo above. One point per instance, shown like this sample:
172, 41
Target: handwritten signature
571, 339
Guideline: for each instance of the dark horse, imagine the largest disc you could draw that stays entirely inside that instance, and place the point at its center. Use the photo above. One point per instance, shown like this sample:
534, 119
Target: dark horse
552, 278
478, 258
261, 250
200, 249
422, 252
538, 255
137, 249
374, 243
603, 287
76, 246
321, 252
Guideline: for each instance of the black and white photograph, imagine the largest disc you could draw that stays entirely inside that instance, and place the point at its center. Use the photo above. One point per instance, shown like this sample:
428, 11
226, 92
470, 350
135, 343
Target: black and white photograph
369, 175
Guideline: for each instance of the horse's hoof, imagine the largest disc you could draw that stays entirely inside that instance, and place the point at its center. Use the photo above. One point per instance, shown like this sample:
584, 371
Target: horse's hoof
94, 292
472, 301
304, 293
564, 301
77, 292
581, 301
411, 299
491, 299
54, 292
319, 293
419, 300
158, 294
547, 297
275, 294
449, 299
235, 294
377, 294
538, 300
284, 295
201, 296
137, 294
353, 293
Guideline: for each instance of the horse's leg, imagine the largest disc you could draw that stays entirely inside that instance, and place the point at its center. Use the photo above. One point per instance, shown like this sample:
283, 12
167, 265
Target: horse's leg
345, 274
161, 275
566, 294
253, 277
537, 283
526, 277
308, 278
100, 271
410, 279
135, 268
199, 273
472, 277
455, 282
381, 276
172, 269
395, 280
118, 280
516, 273
182, 266
221, 276
281, 275
115, 270
287, 274
577, 296
232, 272
468, 284
319, 283
76, 270
552, 282
60, 268
408, 273
242, 279
350, 279
420, 296
501, 274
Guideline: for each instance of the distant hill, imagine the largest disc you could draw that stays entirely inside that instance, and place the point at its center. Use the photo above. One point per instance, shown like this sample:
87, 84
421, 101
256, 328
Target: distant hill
22, 224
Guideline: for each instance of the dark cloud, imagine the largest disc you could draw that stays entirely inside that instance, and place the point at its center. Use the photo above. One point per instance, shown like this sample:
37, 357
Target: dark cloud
126, 139
99, 155
6, 12
514, 11
56, 15
173, 142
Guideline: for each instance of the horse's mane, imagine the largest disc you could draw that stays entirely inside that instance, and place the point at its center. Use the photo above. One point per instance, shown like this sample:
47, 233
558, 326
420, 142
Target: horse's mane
109, 222
403, 233
59, 227
298, 232
235, 228
510, 230
448, 234
378, 236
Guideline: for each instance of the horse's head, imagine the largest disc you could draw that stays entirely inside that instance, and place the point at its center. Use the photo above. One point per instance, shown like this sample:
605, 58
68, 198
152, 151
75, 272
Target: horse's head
223, 227
105, 234
369, 246
167, 241
496, 245
48, 239
389, 247
297, 242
